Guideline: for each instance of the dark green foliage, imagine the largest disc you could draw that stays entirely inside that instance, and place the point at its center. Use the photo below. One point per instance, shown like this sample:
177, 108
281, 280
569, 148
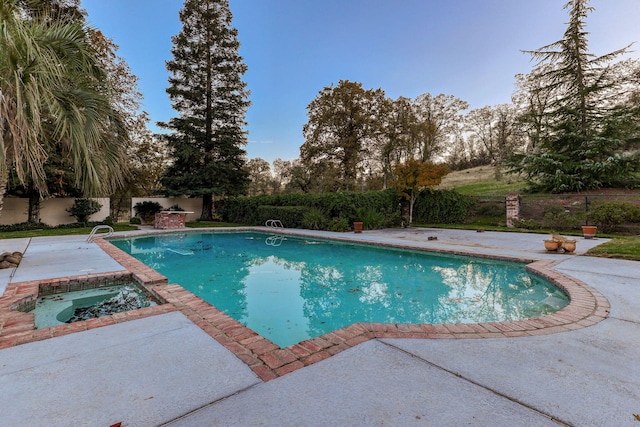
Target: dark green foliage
591, 119
527, 224
371, 219
337, 211
147, 210
332, 205
558, 218
314, 219
24, 226
207, 91
82, 209
135, 220
610, 215
339, 224
175, 208
441, 207
290, 216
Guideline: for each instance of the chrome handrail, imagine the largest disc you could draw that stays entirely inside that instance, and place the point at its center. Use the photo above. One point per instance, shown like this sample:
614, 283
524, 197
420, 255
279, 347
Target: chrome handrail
100, 227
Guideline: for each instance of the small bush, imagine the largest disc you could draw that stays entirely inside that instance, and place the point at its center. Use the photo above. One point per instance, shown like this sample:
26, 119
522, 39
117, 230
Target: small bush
527, 224
557, 218
339, 224
175, 208
82, 209
147, 210
314, 219
24, 226
371, 220
135, 220
612, 214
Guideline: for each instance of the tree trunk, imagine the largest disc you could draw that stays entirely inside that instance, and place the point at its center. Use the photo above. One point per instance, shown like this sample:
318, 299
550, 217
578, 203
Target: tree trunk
33, 215
412, 201
3, 186
207, 208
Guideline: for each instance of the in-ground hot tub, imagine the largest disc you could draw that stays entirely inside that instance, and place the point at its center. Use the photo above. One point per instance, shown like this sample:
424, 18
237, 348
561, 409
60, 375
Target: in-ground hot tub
55, 302
68, 307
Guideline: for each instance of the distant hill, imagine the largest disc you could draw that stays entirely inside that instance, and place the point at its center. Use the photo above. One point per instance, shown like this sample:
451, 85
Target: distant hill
481, 180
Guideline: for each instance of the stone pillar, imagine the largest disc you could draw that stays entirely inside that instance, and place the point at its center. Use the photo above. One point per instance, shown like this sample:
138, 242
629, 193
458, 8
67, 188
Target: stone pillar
513, 208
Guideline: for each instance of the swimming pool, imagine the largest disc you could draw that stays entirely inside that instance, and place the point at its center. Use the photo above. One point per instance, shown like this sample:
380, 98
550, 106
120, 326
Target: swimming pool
289, 289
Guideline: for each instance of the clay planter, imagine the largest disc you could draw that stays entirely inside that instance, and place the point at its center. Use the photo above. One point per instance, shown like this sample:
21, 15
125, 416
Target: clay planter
569, 245
357, 227
551, 245
589, 231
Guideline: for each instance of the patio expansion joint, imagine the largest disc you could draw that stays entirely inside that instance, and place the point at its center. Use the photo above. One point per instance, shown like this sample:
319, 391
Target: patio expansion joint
469, 380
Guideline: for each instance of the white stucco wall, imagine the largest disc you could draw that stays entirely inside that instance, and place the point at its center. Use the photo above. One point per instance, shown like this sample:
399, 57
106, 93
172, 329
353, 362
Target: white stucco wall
14, 210
52, 211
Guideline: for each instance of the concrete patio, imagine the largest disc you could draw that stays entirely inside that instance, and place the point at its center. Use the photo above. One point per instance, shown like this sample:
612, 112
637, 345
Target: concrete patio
165, 370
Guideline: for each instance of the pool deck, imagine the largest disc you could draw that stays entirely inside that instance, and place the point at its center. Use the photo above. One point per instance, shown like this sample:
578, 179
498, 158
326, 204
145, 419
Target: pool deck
166, 369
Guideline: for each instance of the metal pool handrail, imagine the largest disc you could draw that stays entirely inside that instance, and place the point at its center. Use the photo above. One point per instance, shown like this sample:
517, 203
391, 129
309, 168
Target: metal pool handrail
99, 227
273, 223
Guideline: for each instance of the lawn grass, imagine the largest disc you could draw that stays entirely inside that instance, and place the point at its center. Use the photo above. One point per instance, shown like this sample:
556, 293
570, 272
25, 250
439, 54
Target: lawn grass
60, 231
495, 188
481, 181
618, 247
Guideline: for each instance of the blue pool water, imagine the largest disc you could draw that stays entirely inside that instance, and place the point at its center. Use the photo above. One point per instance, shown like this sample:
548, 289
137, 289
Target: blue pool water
289, 289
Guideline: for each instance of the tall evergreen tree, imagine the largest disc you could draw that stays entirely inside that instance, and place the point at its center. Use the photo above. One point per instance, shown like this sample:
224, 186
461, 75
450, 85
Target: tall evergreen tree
207, 91
584, 135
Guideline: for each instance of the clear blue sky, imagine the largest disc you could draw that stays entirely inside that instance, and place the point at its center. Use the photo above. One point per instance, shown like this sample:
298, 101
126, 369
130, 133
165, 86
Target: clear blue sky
294, 48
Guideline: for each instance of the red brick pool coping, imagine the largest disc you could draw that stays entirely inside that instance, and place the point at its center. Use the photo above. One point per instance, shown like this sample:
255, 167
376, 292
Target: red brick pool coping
586, 308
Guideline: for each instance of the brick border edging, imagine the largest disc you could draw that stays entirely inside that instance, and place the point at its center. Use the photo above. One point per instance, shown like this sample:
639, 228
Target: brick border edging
586, 308
269, 361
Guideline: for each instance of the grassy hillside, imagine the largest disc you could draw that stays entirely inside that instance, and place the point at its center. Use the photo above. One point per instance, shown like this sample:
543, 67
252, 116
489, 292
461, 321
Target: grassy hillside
481, 181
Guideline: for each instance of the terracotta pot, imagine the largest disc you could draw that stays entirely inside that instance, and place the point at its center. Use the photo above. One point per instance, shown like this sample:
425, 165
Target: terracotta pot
551, 245
589, 231
569, 245
357, 227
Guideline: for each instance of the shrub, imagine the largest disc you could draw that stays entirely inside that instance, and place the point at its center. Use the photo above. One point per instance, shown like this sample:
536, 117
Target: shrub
339, 224
290, 216
24, 226
610, 215
135, 220
175, 208
147, 210
314, 219
557, 218
248, 210
371, 220
82, 209
441, 207
527, 224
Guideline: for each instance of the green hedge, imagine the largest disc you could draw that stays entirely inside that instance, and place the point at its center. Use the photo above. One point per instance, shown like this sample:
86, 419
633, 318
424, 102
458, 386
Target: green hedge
290, 216
333, 211
441, 207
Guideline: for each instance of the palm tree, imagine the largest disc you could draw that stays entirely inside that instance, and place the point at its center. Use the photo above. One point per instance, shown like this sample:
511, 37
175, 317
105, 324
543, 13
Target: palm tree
53, 98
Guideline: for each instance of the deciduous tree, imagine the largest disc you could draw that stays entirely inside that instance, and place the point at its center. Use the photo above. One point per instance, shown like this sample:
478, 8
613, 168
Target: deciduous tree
413, 175
343, 122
